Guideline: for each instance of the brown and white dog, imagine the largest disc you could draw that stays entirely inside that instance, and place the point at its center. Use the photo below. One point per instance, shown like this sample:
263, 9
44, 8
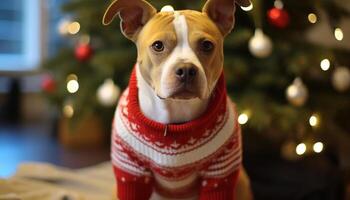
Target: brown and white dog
180, 59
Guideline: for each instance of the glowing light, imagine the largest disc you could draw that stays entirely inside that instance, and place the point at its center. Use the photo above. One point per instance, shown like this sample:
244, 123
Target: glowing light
300, 149
292, 91
243, 118
167, 8
72, 86
73, 28
63, 27
312, 18
318, 147
68, 110
338, 34
325, 64
248, 8
313, 120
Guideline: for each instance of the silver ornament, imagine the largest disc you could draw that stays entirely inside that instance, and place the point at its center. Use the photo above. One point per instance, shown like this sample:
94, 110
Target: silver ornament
341, 79
297, 93
260, 45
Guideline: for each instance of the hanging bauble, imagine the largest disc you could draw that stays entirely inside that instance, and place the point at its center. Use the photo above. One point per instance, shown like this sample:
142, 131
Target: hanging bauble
341, 79
260, 45
108, 93
278, 17
48, 84
297, 93
83, 52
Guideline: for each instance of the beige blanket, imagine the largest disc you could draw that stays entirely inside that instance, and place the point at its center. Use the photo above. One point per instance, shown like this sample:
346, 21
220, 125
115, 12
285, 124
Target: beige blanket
41, 181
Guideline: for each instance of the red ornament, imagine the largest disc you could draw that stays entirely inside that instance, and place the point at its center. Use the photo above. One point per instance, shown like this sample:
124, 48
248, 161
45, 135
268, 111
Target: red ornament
48, 84
278, 17
83, 52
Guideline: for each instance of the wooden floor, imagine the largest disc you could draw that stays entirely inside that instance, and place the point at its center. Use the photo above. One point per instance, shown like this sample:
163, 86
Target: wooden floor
36, 142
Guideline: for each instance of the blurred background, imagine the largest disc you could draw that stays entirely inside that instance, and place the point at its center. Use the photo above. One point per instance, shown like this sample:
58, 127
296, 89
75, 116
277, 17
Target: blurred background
287, 66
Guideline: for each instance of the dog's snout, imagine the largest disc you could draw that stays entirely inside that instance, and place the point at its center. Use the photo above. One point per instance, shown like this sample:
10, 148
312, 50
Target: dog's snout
186, 73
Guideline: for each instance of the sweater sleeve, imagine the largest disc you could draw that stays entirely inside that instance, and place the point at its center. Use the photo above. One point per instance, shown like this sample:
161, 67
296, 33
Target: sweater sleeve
219, 177
219, 188
132, 187
133, 179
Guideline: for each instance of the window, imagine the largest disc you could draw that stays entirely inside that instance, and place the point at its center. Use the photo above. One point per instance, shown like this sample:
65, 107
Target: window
20, 35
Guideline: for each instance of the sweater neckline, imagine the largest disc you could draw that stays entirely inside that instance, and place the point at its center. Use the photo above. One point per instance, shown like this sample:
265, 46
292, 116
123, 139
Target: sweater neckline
213, 110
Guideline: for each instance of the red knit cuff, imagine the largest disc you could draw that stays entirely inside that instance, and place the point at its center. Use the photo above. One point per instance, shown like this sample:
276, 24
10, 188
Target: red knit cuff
131, 187
217, 195
219, 189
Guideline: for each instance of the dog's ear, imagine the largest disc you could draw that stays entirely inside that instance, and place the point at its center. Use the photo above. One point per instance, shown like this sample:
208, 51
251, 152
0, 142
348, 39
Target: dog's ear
221, 12
133, 14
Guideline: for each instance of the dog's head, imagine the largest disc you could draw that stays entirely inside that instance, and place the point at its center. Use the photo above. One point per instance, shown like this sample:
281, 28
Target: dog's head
180, 53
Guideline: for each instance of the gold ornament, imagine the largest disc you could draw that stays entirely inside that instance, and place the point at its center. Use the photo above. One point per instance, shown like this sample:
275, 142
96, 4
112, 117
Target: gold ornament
68, 109
297, 93
108, 93
260, 45
341, 79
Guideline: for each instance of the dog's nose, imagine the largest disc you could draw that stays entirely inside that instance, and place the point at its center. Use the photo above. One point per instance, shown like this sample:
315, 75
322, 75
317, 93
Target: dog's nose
186, 73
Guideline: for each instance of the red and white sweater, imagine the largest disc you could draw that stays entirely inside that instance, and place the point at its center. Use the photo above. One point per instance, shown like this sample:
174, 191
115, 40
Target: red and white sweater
199, 159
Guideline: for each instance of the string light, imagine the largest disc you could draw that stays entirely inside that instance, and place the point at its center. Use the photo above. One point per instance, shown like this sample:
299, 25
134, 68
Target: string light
338, 34
312, 17
318, 147
313, 120
73, 28
72, 86
243, 118
325, 64
167, 8
63, 27
248, 8
300, 149
68, 110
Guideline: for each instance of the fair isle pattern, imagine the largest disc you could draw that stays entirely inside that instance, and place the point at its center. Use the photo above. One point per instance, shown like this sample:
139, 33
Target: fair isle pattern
174, 148
177, 161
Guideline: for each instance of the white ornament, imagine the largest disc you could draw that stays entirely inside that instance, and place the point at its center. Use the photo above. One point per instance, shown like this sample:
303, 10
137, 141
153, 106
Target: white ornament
297, 93
260, 45
108, 93
341, 79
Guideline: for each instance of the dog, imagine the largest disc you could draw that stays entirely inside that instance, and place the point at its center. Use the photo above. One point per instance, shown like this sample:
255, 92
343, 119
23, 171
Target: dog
175, 133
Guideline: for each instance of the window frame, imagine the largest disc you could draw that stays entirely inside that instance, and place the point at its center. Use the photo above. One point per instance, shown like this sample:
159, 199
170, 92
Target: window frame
33, 40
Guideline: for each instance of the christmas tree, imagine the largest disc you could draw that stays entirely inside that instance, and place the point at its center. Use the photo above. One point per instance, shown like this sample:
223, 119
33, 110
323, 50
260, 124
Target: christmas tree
288, 89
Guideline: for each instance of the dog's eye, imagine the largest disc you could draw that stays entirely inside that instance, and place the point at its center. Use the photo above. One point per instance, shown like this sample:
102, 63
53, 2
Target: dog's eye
158, 46
206, 46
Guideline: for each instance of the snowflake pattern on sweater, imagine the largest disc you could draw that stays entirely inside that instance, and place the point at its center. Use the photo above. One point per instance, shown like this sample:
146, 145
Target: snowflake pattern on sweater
194, 160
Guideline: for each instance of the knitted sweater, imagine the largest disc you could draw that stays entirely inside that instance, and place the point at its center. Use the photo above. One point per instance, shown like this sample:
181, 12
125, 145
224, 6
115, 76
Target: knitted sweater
199, 159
